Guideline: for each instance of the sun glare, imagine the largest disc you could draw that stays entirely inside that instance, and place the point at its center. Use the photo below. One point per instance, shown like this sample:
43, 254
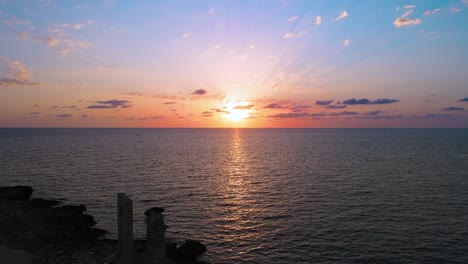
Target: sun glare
237, 110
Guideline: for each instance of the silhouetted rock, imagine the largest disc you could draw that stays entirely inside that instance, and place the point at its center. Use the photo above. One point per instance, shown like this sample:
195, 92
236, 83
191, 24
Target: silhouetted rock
16, 192
41, 203
191, 249
171, 251
154, 209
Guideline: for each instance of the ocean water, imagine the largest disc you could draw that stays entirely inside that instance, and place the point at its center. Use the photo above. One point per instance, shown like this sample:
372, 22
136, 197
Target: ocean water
265, 195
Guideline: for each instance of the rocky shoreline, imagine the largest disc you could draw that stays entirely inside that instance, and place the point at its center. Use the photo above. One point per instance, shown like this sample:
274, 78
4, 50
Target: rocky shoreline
53, 234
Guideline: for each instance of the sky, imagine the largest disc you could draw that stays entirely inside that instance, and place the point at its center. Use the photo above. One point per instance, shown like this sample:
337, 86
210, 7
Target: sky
270, 63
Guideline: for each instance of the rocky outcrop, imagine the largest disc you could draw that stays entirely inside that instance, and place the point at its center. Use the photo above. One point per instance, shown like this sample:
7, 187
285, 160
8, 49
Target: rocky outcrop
16, 192
191, 249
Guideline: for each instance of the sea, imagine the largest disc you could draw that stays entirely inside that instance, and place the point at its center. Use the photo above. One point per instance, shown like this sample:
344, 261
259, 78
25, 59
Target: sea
264, 195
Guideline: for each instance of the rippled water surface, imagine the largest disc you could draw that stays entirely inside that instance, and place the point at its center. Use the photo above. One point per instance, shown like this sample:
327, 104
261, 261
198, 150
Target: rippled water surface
265, 195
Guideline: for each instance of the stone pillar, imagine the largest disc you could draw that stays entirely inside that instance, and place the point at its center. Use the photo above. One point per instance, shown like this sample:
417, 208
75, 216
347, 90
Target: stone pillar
155, 234
125, 228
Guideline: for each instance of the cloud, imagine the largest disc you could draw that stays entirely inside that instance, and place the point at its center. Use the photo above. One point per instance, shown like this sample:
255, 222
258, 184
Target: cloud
436, 116
346, 42
343, 113
455, 10
169, 103
177, 98
200, 92
463, 100
17, 74
186, 35
33, 113
342, 15
380, 117
211, 11
207, 113
243, 107
453, 108
318, 20
326, 102
405, 21
289, 115
61, 116
219, 110
293, 18
63, 46
376, 112
274, 106
299, 108
365, 101
111, 104
429, 12
288, 35
409, 6
336, 106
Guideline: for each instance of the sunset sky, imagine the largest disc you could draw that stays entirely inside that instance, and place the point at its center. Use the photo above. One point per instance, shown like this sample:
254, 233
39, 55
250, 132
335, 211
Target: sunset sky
271, 63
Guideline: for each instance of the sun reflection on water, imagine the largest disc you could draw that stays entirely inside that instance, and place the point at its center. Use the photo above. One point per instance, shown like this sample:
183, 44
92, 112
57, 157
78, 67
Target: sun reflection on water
237, 211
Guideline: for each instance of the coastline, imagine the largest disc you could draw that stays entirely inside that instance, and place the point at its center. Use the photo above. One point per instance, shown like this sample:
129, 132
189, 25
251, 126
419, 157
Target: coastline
49, 233
43, 231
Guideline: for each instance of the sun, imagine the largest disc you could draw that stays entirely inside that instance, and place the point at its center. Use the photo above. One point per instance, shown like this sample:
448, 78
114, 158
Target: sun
237, 114
237, 110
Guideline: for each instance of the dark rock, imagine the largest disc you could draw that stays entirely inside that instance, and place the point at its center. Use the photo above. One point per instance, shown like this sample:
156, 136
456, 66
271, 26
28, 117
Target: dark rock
171, 250
154, 209
42, 203
191, 249
16, 192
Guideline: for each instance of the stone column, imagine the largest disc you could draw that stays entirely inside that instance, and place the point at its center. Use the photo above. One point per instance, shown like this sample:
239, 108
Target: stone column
155, 234
125, 228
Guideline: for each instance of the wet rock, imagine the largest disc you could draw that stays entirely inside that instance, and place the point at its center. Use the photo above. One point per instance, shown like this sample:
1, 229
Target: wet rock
191, 249
16, 192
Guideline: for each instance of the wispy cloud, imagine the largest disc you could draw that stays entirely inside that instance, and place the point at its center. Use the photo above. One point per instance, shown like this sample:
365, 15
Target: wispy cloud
186, 35
342, 15
409, 6
53, 37
288, 35
211, 11
16, 74
61, 116
404, 20
318, 20
111, 104
437, 116
455, 10
463, 100
376, 112
243, 107
325, 102
176, 97
274, 106
336, 106
289, 115
365, 101
453, 108
347, 42
429, 12
144, 118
